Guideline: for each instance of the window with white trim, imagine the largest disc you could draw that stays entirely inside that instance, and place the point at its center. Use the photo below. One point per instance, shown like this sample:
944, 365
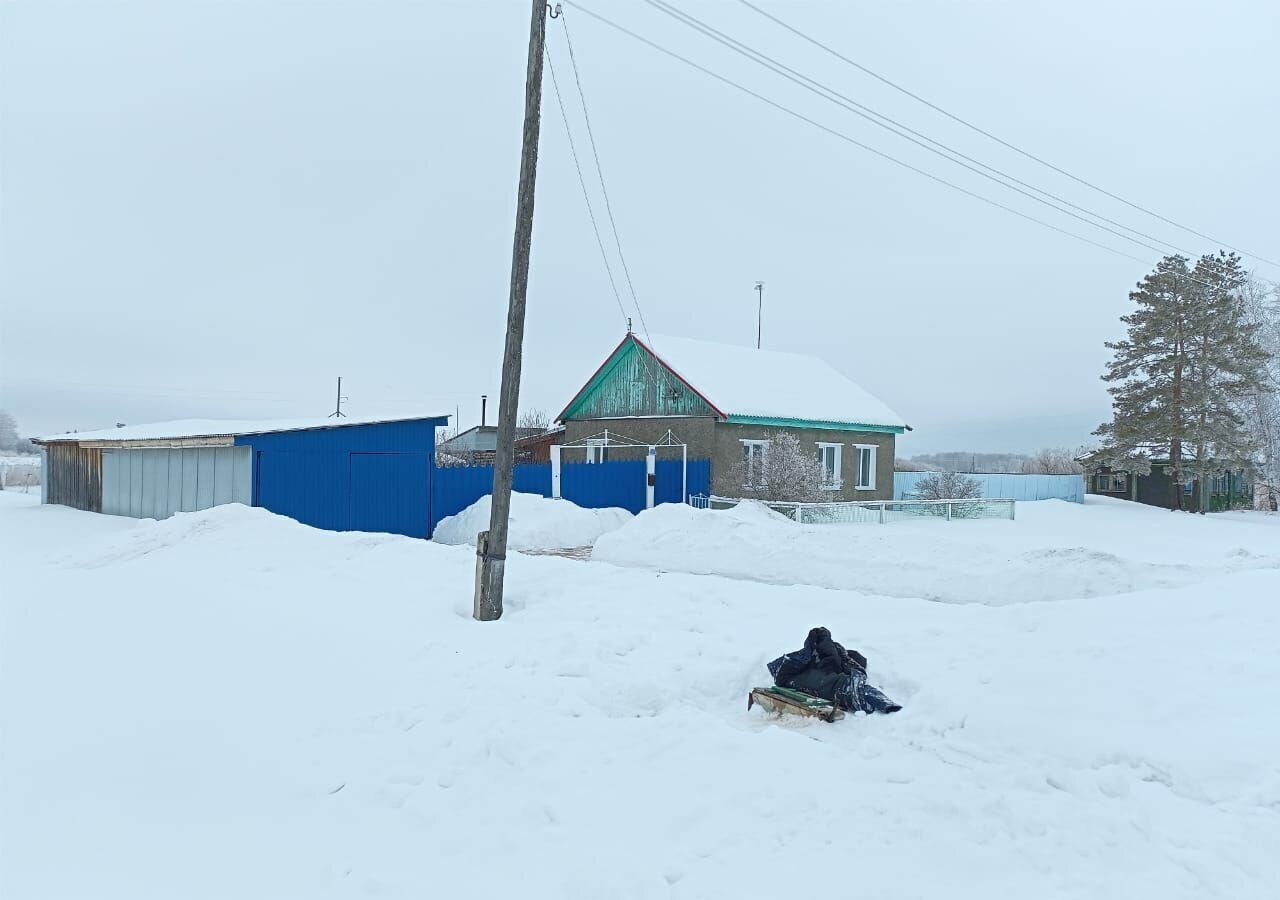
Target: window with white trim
829, 466
754, 456
1113, 483
596, 450
865, 478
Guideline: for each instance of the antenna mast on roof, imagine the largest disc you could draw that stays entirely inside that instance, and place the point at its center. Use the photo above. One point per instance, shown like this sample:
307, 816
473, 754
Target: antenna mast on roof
337, 412
759, 311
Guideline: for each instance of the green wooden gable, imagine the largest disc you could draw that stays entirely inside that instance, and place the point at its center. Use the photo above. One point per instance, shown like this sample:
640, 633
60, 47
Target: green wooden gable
633, 383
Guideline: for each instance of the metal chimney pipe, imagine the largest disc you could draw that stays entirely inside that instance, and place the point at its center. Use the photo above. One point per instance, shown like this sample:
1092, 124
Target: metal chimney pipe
484, 404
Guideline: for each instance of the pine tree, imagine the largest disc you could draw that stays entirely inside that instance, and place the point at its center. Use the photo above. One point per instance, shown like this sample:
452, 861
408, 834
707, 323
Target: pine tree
1228, 368
1180, 378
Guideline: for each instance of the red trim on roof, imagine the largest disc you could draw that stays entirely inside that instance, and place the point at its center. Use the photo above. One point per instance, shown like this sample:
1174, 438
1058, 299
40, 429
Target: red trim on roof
587, 383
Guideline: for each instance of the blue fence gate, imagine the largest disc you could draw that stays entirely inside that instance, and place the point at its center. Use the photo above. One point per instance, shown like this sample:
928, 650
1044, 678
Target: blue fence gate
618, 483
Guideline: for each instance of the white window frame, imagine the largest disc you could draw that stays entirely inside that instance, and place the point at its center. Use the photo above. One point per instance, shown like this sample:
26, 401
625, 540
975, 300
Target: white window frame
1113, 483
837, 473
596, 450
873, 450
748, 448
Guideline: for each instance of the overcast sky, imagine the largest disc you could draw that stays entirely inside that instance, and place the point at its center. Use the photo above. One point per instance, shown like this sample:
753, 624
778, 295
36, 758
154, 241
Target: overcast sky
215, 208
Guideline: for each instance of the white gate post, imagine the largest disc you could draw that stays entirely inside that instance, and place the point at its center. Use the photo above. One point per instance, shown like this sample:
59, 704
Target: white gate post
555, 471
684, 474
650, 475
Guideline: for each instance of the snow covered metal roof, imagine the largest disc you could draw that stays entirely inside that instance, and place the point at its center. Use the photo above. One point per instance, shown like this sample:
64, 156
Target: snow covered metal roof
743, 382
482, 439
188, 429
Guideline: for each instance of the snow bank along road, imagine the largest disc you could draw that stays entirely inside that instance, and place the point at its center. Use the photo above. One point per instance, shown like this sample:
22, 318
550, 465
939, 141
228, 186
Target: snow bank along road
227, 704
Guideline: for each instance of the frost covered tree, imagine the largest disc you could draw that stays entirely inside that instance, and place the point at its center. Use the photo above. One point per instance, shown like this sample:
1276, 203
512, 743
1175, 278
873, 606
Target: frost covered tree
1184, 372
948, 486
779, 469
1053, 461
8, 431
534, 418
1262, 410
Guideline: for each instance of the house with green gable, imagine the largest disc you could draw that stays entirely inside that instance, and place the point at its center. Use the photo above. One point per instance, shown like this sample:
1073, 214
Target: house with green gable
725, 402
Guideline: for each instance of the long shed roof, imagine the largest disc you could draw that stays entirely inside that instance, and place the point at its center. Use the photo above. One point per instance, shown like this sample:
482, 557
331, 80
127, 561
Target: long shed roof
184, 429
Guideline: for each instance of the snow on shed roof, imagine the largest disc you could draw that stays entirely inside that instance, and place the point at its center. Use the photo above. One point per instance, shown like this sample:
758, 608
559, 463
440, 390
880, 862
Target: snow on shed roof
203, 428
744, 381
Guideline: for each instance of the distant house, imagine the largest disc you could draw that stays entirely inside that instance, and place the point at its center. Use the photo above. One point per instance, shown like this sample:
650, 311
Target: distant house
725, 402
1225, 490
476, 446
536, 447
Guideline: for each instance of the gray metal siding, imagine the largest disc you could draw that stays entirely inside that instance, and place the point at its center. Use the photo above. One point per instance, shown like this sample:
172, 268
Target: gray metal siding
74, 476
187, 500
158, 483
135, 484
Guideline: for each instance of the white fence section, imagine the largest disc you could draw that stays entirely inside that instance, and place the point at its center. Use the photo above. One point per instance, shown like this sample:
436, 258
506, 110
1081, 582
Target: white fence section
880, 512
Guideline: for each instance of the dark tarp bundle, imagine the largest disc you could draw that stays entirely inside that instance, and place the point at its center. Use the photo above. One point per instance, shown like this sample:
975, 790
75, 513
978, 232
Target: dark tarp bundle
825, 669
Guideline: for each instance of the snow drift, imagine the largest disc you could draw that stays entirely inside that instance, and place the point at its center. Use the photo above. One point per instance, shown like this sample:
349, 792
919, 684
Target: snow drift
537, 523
1053, 551
228, 704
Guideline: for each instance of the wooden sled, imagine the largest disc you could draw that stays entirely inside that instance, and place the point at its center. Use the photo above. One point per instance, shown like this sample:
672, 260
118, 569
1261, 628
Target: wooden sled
784, 701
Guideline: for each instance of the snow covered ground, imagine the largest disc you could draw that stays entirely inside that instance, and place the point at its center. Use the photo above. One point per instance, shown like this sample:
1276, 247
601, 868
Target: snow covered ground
537, 523
1054, 550
228, 704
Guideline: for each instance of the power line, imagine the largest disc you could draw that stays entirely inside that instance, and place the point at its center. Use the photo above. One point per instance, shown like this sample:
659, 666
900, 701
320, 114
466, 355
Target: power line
906, 133
846, 138
626, 270
1031, 156
586, 196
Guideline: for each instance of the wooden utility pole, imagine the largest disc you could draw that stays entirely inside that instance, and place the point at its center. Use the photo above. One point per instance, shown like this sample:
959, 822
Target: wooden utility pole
491, 545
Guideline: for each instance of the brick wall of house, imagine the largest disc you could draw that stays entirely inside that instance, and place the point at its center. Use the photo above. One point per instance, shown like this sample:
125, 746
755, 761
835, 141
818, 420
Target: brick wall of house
728, 453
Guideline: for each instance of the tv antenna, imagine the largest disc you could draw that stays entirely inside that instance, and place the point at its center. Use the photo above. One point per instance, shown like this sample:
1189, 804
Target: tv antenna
337, 411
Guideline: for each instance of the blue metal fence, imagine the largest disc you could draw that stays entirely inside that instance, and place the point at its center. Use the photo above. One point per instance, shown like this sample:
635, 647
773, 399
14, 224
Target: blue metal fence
670, 477
1005, 487
594, 485
597, 485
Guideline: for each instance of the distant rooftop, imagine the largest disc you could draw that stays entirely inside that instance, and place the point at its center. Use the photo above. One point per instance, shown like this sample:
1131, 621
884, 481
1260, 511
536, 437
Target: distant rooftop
481, 439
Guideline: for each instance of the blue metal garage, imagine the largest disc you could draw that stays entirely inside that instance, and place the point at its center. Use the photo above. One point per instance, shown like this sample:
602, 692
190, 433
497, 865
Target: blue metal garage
337, 474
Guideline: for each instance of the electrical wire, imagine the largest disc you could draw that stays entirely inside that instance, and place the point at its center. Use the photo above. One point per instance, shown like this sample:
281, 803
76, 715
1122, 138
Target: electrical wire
909, 134
1016, 149
595, 153
586, 196
846, 138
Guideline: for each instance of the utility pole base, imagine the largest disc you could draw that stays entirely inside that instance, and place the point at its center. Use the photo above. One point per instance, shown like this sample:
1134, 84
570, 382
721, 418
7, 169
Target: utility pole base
487, 604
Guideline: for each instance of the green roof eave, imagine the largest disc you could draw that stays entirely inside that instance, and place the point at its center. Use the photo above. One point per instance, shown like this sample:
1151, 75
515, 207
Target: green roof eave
814, 423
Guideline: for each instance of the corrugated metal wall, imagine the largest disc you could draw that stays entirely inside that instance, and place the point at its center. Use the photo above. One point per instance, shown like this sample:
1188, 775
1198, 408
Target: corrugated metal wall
358, 477
74, 476
157, 483
1006, 487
